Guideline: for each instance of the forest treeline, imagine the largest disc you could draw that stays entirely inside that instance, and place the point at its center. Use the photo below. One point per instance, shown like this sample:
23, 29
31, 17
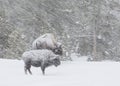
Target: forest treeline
84, 27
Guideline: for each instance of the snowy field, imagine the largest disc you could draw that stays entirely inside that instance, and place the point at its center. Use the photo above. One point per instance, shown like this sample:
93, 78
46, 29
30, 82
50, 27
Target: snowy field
70, 73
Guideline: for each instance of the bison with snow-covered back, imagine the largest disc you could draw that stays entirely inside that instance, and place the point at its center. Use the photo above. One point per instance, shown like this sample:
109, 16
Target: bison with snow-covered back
47, 41
40, 58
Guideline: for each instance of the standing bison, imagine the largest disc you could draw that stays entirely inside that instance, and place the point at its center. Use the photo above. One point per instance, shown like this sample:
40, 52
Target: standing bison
40, 58
47, 41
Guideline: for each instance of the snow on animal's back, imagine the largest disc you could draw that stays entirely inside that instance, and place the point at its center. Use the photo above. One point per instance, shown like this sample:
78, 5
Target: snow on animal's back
38, 54
47, 39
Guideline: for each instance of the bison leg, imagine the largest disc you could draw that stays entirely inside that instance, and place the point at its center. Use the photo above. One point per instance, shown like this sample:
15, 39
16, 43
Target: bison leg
27, 68
43, 70
29, 71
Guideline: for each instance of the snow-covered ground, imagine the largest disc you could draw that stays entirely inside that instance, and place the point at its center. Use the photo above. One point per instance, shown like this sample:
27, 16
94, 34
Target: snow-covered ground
69, 73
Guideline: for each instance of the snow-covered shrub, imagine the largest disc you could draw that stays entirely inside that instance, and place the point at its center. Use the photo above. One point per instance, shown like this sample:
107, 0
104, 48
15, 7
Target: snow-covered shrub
47, 41
40, 58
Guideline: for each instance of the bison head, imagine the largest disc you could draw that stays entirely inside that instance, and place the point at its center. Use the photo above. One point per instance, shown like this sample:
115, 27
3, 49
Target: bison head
56, 61
58, 50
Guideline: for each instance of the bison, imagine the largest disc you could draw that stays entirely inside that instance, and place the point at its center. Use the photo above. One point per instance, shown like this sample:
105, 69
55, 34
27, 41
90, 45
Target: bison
47, 41
40, 58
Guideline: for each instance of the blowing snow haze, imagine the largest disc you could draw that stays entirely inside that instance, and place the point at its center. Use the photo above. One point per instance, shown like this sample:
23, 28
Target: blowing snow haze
73, 22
